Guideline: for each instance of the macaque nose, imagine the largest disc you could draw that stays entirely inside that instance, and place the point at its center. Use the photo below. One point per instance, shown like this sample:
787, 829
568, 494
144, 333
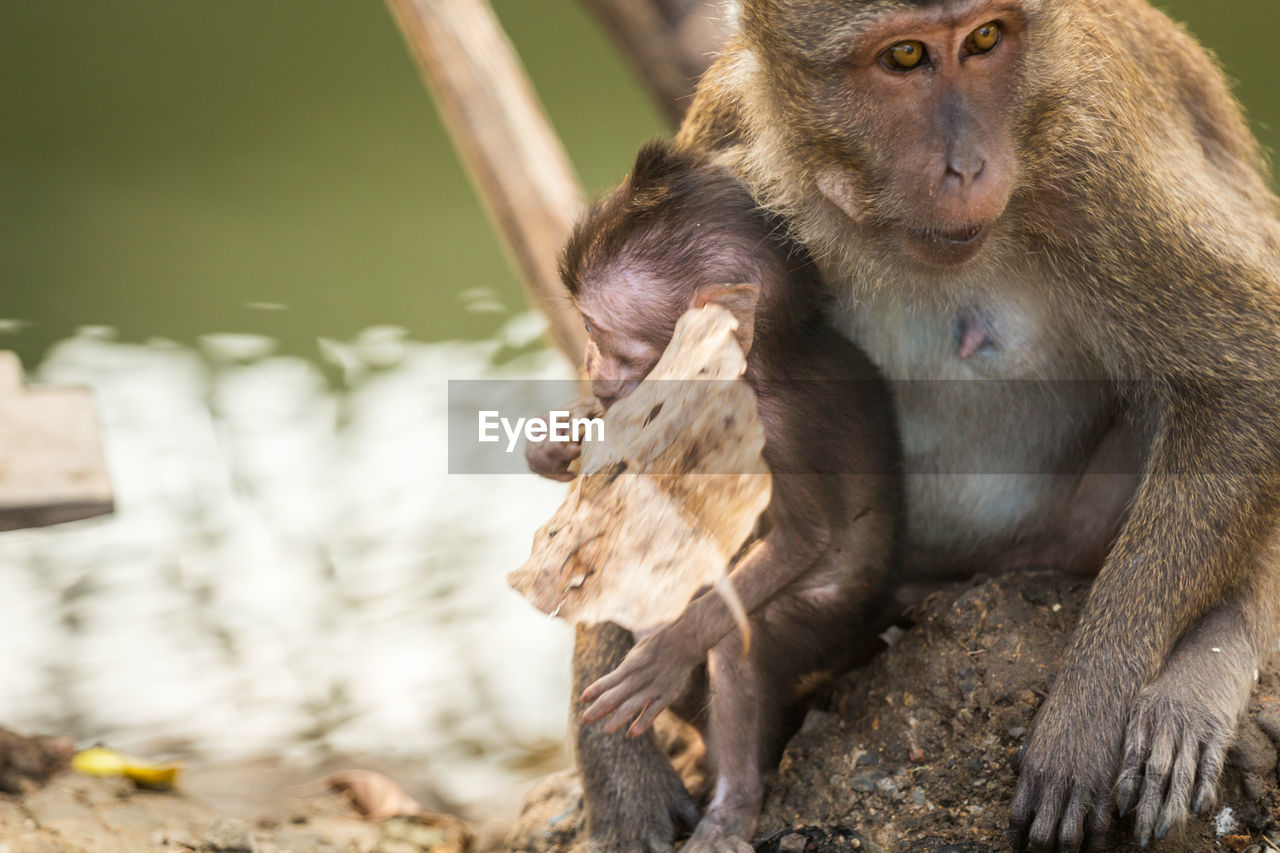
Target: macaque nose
610, 391
964, 168
606, 390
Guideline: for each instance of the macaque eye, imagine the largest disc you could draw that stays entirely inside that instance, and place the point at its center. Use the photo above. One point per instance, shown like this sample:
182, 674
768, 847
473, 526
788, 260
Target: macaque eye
983, 38
586, 326
903, 56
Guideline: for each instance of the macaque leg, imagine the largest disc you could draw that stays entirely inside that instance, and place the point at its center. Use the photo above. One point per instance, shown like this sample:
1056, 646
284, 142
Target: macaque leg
755, 708
634, 800
1087, 524
656, 671
1182, 722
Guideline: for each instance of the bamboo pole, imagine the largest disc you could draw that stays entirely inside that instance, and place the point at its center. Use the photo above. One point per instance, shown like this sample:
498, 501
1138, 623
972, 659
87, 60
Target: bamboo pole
506, 144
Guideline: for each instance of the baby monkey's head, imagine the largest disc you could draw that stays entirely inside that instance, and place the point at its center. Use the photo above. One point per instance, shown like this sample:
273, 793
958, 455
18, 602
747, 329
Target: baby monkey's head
680, 232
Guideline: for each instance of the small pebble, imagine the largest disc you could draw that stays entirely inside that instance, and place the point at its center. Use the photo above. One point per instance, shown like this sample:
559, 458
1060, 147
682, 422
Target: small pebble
793, 843
917, 755
866, 780
1224, 822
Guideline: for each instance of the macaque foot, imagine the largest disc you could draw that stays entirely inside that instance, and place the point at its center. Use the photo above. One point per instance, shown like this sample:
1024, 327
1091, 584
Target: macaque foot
719, 832
652, 676
1174, 753
646, 817
1063, 798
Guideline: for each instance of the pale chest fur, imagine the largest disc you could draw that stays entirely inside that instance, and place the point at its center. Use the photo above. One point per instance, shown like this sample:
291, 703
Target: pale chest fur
992, 439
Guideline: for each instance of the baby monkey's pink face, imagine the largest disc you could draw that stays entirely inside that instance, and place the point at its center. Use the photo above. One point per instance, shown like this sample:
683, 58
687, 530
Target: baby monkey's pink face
630, 317
625, 338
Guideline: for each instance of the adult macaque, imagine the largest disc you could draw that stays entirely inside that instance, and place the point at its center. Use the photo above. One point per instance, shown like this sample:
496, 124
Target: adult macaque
816, 583
1047, 190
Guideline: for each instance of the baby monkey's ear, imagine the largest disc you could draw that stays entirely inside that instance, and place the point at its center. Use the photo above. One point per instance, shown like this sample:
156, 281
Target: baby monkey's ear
740, 300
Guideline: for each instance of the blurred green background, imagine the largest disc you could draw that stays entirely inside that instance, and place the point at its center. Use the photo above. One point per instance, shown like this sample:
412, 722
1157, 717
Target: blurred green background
178, 168
174, 168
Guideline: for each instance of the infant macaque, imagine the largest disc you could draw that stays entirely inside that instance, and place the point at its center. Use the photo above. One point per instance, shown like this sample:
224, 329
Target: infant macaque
682, 232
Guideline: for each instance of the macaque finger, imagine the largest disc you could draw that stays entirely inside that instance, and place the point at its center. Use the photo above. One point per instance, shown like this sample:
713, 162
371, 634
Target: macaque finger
1211, 762
648, 717
626, 712
552, 459
1159, 763
1071, 830
1181, 783
602, 685
605, 705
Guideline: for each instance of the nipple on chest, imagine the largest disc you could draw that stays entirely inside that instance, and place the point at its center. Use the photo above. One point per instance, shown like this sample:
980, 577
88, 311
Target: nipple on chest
974, 333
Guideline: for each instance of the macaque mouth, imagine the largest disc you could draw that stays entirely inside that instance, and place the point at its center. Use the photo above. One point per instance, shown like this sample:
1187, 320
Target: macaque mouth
948, 246
967, 234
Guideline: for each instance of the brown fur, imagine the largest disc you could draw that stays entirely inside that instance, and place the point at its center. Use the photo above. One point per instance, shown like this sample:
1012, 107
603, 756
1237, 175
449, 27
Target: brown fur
681, 232
1138, 248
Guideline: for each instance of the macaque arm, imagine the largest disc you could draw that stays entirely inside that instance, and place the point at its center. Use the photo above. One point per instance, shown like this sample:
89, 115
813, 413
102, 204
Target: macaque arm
655, 671
1206, 501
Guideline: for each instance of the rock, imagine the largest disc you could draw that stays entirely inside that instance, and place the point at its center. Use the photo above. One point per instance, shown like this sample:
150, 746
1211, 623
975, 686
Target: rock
27, 763
1253, 751
944, 712
792, 842
817, 839
551, 818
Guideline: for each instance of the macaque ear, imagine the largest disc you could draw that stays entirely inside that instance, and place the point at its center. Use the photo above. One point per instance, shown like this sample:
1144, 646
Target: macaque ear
836, 187
740, 300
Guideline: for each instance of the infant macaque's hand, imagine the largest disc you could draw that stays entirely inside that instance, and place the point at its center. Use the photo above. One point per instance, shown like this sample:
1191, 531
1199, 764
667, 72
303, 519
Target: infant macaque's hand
551, 459
652, 676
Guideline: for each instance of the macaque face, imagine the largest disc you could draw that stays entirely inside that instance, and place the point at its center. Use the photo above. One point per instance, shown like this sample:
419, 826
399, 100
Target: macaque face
916, 108
624, 341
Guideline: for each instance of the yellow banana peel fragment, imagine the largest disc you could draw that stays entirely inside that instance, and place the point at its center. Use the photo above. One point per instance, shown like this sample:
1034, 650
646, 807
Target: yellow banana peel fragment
98, 761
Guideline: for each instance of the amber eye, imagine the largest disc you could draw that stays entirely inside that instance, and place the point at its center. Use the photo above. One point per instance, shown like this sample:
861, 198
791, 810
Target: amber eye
983, 38
903, 56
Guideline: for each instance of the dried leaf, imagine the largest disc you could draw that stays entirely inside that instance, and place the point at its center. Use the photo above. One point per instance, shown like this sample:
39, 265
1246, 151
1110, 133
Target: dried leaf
374, 795
663, 505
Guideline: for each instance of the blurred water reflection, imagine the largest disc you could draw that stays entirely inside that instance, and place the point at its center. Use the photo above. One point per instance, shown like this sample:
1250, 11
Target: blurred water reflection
290, 571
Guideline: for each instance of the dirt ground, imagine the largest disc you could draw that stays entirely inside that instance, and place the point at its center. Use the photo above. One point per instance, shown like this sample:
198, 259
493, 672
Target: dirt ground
45, 808
913, 754
916, 752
